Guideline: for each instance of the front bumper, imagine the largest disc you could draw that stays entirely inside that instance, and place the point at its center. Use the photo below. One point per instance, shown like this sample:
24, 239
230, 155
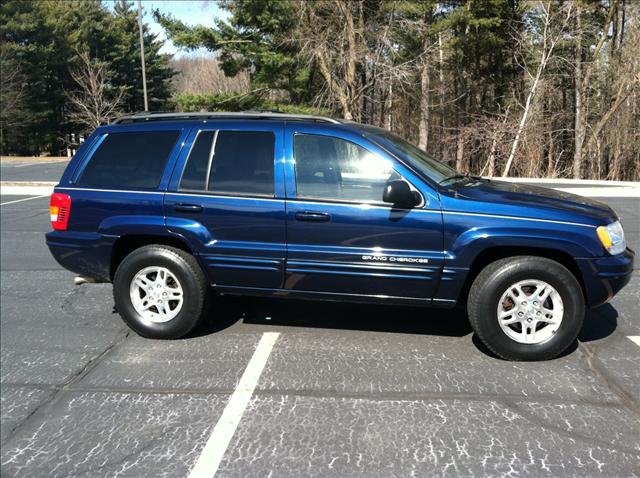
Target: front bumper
603, 277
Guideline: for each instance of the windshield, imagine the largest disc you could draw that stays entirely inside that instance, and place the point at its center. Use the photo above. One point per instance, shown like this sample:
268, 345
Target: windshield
431, 167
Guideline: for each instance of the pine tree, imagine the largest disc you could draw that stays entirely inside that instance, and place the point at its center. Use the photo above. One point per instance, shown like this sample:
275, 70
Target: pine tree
45, 40
256, 38
124, 59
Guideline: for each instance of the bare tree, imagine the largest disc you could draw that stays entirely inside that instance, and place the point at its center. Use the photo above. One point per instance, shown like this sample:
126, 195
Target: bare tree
549, 38
582, 76
331, 37
96, 101
12, 91
202, 74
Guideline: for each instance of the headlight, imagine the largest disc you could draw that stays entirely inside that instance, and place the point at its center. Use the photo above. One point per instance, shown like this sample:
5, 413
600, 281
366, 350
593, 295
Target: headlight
612, 238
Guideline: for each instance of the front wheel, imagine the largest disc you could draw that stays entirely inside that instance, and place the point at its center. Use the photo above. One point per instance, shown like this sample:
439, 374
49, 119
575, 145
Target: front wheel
526, 308
160, 292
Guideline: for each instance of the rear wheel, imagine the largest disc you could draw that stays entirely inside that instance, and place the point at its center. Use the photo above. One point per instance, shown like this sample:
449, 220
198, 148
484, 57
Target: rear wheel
526, 308
160, 292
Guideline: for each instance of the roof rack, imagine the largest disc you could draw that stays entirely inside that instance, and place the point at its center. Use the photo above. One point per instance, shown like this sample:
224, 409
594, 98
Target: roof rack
259, 114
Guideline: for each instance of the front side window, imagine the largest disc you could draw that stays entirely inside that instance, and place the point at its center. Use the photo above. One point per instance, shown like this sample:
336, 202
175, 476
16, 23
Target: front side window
335, 169
231, 162
132, 160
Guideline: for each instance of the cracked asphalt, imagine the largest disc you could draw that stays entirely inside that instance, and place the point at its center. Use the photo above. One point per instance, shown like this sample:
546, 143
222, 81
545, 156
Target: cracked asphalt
348, 390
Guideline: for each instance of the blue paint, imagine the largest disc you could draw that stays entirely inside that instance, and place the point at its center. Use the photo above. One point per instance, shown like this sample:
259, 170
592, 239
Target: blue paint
365, 252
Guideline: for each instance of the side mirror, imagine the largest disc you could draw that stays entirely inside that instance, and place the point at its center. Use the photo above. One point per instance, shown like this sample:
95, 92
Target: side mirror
399, 193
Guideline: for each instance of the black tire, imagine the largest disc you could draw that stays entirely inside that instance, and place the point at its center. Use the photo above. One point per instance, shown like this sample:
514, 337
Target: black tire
188, 272
496, 278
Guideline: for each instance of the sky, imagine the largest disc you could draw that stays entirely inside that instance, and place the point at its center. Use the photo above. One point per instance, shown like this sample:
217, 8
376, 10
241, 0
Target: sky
192, 12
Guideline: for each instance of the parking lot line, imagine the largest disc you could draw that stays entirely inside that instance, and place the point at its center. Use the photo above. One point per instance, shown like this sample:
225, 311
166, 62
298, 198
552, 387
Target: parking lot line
635, 339
217, 444
25, 199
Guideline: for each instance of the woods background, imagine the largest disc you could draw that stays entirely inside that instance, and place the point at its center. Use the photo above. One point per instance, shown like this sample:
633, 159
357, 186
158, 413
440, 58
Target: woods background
494, 87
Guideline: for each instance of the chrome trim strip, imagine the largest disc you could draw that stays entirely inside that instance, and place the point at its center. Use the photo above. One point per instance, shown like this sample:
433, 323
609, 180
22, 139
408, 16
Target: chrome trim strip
518, 218
365, 205
248, 198
236, 266
296, 270
209, 194
213, 258
368, 266
108, 190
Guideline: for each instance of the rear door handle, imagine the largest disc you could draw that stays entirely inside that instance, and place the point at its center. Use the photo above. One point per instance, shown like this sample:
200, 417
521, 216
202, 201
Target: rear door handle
313, 216
187, 207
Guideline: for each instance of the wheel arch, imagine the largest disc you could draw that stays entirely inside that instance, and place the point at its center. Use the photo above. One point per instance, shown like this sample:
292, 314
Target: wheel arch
492, 254
128, 243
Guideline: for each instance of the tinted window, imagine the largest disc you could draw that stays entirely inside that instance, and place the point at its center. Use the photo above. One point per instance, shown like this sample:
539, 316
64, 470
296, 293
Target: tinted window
433, 168
194, 176
241, 163
133, 160
335, 169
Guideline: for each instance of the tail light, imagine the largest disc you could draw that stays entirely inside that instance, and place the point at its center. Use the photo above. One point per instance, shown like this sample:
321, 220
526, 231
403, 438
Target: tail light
60, 208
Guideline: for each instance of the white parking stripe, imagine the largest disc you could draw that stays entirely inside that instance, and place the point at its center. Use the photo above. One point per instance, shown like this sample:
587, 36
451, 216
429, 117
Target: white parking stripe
25, 199
635, 339
216, 446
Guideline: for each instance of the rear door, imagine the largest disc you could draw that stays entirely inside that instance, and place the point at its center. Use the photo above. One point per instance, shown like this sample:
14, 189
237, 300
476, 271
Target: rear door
226, 197
342, 238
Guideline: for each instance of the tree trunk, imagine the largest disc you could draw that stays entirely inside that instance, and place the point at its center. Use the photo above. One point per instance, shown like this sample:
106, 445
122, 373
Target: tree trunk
579, 120
460, 152
548, 45
492, 154
523, 121
441, 84
352, 57
335, 88
423, 140
614, 171
388, 107
550, 153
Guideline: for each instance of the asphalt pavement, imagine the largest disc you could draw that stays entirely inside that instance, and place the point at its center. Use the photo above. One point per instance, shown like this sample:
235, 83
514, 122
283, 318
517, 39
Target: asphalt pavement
41, 169
344, 390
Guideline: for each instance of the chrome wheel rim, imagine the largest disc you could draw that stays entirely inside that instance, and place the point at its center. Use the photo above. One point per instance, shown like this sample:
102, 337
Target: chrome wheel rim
530, 311
156, 294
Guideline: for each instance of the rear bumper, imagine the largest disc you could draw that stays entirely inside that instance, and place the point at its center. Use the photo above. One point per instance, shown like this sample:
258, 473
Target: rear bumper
604, 276
85, 253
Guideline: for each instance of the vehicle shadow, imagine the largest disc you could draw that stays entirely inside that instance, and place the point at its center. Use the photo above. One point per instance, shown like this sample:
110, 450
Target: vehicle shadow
599, 323
335, 315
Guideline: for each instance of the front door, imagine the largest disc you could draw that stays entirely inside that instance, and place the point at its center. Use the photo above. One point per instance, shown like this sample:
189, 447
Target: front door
342, 238
226, 198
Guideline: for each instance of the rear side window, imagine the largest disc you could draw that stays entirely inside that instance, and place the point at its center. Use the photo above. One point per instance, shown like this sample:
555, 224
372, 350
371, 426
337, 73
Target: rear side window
231, 162
134, 160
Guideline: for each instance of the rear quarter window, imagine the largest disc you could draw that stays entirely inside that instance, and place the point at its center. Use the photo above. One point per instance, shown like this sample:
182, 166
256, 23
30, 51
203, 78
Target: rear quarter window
129, 160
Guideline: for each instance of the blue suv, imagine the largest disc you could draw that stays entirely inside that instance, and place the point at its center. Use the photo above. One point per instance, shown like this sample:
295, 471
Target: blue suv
169, 206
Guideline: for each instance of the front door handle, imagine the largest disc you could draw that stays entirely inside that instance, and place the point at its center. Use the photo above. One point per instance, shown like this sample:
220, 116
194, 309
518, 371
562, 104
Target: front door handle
187, 207
313, 216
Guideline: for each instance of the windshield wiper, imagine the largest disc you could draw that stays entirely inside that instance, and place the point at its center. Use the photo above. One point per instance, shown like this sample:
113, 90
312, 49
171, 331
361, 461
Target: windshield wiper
461, 176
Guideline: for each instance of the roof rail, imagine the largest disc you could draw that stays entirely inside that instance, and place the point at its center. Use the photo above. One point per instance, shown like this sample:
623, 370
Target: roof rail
260, 114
